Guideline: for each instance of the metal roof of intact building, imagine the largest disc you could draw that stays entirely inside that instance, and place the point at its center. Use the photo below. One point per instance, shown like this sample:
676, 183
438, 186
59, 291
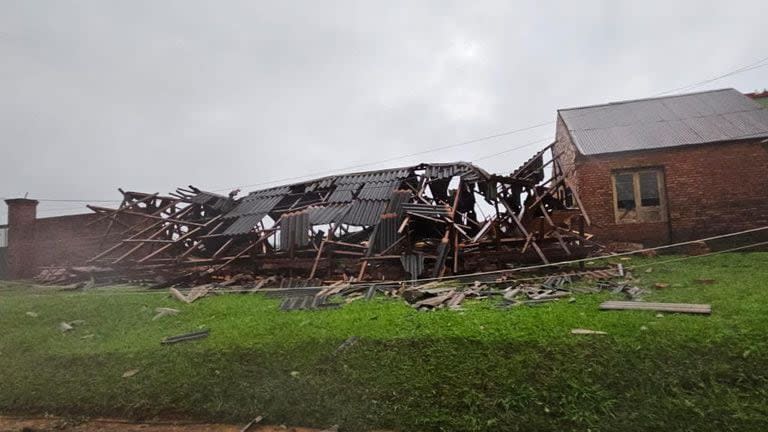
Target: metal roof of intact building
670, 121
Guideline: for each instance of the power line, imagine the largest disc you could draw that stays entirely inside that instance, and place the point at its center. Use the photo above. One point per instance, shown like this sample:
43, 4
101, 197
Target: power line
742, 69
756, 65
361, 165
511, 149
68, 200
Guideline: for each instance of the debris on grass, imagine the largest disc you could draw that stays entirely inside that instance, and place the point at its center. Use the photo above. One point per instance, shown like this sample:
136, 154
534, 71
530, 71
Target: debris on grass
178, 295
632, 291
185, 337
252, 423
346, 345
65, 327
664, 307
704, 281
163, 311
130, 372
661, 285
194, 294
581, 331
32, 314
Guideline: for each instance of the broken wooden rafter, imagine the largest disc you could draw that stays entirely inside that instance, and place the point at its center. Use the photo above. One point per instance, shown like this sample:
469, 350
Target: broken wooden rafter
704, 309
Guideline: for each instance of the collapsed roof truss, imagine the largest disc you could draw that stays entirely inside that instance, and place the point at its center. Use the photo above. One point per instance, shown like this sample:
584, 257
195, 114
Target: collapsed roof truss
415, 220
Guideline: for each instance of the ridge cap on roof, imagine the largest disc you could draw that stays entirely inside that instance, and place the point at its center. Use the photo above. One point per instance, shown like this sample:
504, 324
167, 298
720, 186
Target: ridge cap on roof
626, 101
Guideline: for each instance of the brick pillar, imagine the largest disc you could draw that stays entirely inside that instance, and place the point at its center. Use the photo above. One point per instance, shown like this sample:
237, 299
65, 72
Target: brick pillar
22, 214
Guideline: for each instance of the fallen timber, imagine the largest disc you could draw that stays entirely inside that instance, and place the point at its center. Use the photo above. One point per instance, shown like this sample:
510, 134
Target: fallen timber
405, 223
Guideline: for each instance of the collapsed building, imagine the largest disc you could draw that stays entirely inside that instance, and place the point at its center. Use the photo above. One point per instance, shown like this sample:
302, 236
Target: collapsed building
420, 221
651, 171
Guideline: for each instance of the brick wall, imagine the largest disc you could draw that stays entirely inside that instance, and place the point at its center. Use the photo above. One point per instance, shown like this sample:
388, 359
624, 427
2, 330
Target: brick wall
62, 241
565, 148
69, 240
711, 189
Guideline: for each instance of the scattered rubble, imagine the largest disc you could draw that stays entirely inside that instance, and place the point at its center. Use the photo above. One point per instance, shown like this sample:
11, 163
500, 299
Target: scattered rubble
632, 291
697, 248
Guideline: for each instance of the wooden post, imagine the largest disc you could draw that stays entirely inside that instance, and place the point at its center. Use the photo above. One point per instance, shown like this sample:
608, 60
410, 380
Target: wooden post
524, 231
581, 242
317, 259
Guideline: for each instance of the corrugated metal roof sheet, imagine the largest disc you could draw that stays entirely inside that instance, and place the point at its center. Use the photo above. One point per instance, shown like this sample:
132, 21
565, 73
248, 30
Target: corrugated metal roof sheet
365, 212
213, 200
378, 191
244, 224
275, 191
441, 171
375, 176
343, 193
696, 118
427, 209
254, 204
326, 215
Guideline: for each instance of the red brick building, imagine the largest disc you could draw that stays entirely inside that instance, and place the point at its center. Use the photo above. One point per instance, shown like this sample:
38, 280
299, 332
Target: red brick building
668, 169
34, 243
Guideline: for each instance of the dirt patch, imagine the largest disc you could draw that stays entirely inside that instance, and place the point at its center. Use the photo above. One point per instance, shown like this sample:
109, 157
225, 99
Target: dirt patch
46, 424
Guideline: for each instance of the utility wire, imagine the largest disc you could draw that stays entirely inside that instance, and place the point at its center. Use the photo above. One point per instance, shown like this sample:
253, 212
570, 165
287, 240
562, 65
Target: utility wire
758, 64
361, 165
512, 149
742, 69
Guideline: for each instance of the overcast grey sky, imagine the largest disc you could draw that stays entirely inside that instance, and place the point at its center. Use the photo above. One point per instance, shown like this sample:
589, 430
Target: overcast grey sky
150, 95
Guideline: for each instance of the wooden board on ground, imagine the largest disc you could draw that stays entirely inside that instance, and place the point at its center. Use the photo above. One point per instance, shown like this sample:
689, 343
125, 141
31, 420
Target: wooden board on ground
658, 307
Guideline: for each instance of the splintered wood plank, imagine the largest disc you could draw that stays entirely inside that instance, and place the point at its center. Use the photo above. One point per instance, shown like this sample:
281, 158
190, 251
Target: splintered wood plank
658, 307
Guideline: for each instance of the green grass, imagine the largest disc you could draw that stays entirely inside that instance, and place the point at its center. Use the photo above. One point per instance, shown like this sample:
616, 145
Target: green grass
479, 369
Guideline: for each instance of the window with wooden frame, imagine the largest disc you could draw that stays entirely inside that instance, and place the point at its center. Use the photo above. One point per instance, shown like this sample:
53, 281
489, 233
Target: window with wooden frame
638, 195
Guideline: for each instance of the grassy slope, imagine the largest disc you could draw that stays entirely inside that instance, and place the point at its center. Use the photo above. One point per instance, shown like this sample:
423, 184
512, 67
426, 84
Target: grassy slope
479, 369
